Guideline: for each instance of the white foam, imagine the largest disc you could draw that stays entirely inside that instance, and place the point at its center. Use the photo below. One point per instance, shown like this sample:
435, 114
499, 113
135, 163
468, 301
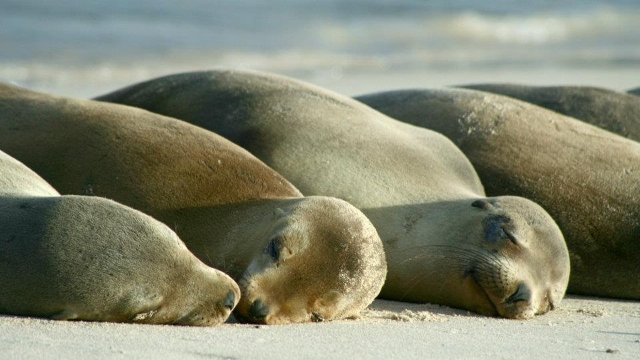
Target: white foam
541, 28
93, 49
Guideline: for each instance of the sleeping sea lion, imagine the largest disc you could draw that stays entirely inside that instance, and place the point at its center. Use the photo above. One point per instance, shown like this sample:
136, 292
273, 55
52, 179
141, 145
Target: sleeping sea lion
587, 178
296, 259
89, 258
445, 242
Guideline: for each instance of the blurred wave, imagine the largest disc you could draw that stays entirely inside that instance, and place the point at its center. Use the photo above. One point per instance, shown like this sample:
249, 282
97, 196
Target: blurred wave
67, 41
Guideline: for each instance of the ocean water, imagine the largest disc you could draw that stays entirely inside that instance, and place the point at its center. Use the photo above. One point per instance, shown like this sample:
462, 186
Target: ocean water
69, 44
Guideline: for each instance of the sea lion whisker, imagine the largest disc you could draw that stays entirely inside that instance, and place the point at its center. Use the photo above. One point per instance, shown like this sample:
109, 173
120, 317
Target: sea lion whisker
448, 251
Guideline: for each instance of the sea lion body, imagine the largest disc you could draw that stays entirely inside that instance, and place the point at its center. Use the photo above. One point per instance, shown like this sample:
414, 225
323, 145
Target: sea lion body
229, 207
88, 258
413, 184
607, 109
585, 177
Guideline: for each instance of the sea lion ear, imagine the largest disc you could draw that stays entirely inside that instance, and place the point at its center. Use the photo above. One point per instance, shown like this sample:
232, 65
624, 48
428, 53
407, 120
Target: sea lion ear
482, 204
279, 212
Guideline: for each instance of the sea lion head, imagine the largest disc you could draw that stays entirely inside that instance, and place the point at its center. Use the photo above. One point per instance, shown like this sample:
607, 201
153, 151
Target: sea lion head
165, 283
92, 259
522, 265
501, 256
157, 279
208, 298
321, 259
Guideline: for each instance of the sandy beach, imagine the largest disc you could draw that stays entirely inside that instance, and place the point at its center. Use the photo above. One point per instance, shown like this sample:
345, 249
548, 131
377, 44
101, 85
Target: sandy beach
581, 328
78, 49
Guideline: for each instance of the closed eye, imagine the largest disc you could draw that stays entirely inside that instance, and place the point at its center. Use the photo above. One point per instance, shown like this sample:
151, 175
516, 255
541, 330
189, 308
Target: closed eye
273, 248
498, 228
510, 236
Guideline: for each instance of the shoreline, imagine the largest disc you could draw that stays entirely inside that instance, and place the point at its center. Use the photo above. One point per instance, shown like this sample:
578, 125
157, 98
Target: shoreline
98, 80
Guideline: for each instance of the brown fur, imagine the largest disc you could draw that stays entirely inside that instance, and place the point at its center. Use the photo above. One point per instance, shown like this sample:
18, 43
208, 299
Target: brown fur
587, 178
222, 201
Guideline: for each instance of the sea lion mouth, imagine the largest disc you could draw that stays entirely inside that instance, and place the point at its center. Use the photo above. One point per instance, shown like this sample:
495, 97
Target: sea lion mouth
472, 274
316, 317
509, 306
256, 313
486, 296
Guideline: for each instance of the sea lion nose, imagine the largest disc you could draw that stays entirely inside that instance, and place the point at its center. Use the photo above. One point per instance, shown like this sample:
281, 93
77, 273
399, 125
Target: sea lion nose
522, 294
230, 300
258, 310
482, 204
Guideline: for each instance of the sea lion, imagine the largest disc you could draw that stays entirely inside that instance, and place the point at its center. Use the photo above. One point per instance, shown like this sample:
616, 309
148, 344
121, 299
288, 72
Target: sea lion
587, 178
445, 242
296, 259
606, 109
88, 258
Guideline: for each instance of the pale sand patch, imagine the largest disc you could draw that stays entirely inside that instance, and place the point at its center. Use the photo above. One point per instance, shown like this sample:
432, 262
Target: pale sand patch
581, 328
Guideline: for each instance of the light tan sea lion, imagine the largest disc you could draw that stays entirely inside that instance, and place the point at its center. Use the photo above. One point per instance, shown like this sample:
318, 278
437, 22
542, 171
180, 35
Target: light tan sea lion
606, 109
587, 178
296, 259
445, 242
89, 258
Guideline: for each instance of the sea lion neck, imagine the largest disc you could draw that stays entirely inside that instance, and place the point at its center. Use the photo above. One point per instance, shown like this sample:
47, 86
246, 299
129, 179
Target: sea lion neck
230, 231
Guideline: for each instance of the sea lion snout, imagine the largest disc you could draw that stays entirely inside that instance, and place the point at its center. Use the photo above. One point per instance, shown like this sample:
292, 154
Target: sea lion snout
482, 204
230, 301
523, 293
258, 311
526, 302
